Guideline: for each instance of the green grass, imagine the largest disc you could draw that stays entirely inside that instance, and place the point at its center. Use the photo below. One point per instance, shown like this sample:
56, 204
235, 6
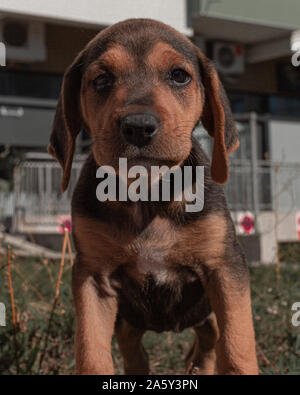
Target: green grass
278, 342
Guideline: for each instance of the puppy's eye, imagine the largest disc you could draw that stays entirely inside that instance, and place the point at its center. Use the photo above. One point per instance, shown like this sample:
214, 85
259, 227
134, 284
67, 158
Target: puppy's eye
103, 81
180, 77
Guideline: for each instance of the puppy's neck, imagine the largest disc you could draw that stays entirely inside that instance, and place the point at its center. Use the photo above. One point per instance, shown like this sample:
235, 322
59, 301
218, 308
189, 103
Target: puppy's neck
136, 215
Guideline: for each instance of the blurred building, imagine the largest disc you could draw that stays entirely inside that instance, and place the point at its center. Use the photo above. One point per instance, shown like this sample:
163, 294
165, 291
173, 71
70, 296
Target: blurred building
250, 43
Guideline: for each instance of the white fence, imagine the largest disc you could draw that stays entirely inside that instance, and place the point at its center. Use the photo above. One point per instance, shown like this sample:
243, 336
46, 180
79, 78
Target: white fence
6, 205
38, 197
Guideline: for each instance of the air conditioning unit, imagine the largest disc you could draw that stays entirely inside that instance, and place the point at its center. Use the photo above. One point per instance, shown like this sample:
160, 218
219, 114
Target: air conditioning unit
229, 58
24, 40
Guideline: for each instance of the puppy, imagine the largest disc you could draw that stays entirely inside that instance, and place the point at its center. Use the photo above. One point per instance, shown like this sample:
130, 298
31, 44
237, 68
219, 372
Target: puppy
139, 89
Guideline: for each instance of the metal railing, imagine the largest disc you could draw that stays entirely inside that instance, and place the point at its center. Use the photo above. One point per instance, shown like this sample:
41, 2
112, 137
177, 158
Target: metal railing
277, 183
38, 196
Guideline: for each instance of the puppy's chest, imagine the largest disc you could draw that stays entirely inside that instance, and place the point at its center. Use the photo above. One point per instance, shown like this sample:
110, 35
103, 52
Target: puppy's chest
158, 286
149, 259
152, 254
158, 290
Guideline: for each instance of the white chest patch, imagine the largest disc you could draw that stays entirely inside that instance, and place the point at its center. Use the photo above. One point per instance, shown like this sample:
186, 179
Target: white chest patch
151, 252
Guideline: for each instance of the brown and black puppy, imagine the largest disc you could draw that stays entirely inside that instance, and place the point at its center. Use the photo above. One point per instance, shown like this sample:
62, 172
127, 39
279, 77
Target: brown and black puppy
140, 88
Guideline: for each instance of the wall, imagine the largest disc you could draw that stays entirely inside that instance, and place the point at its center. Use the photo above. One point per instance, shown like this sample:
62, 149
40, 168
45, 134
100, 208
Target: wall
284, 149
286, 230
268, 12
101, 12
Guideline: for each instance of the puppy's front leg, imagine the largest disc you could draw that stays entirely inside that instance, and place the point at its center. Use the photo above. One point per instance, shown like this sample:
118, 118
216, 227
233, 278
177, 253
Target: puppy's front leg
95, 319
229, 294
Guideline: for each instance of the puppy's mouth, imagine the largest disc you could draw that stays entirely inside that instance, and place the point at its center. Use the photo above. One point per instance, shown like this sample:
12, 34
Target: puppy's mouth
144, 156
146, 161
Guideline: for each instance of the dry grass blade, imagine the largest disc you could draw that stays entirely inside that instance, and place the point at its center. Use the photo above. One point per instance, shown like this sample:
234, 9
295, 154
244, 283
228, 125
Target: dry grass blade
69, 248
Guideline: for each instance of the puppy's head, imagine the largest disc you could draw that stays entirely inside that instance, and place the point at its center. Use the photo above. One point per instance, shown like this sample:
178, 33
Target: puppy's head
139, 88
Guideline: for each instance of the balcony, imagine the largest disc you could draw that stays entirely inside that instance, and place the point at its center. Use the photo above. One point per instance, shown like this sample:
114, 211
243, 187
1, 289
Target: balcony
265, 27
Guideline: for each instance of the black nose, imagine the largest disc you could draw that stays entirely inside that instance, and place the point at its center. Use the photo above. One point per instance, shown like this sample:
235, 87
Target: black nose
139, 129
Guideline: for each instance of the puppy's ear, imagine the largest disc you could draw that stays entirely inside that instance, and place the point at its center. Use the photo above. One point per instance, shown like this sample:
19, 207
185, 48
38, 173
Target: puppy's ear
67, 122
217, 120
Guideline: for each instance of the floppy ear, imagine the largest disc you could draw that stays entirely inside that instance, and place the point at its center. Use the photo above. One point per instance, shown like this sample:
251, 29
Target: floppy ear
67, 122
217, 120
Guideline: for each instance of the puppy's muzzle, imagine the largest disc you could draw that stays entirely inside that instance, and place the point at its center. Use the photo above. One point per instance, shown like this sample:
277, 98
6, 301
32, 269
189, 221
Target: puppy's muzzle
139, 129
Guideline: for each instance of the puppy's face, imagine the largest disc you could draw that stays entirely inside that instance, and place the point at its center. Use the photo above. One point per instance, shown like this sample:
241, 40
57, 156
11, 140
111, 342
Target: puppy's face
139, 88
141, 103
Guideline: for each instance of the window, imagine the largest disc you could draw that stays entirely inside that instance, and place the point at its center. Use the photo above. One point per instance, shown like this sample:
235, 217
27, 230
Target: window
30, 84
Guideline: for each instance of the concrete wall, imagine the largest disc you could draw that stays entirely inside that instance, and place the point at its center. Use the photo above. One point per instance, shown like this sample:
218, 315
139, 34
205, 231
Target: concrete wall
284, 141
101, 12
284, 149
268, 12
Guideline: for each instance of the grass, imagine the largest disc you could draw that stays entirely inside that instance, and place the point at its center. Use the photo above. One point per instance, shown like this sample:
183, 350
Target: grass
289, 252
34, 281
